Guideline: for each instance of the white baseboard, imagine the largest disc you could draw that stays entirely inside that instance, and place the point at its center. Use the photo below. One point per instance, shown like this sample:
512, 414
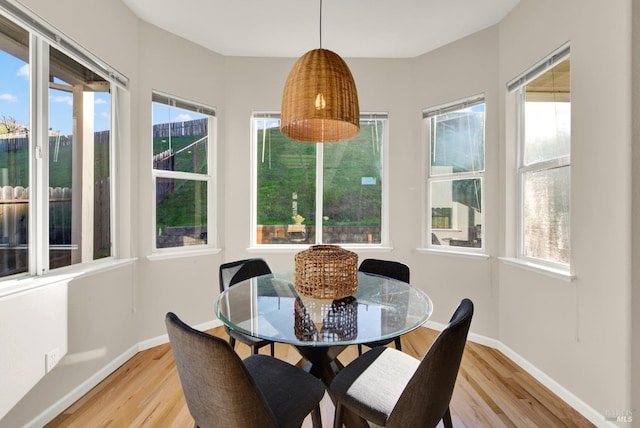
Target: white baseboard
567, 396
162, 339
61, 405
74, 395
583, 408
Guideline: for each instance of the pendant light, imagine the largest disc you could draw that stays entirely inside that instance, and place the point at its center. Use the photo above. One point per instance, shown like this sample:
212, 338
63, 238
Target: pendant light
320, 101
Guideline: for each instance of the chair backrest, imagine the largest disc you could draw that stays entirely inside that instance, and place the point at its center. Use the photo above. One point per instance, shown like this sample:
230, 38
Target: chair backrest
233, 272
388, 268
217, 387
426, 397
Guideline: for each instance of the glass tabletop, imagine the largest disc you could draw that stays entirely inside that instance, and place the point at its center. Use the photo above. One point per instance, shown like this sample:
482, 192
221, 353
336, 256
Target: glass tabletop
269, 307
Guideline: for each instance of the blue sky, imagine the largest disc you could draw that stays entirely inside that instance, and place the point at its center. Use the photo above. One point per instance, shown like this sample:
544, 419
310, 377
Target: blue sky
163, 113
14, 99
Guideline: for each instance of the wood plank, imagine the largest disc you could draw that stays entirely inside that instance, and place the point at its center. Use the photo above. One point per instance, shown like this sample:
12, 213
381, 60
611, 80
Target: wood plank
491, 391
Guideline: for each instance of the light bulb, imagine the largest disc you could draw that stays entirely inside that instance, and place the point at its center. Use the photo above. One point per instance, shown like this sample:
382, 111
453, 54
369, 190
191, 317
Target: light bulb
320, 102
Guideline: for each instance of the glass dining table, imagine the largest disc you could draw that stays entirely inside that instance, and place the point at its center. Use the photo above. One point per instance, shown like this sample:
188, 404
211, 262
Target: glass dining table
269, 307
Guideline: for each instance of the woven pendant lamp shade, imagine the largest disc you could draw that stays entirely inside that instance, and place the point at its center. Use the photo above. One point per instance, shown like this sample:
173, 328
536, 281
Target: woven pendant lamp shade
320, 101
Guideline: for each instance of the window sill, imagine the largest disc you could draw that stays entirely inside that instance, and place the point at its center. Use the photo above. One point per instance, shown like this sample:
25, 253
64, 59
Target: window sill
27, 282
560, 274
467, 254
180, 252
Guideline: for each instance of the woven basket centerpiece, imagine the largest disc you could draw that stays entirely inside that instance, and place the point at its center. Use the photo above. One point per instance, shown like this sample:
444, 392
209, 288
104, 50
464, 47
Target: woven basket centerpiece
326, 272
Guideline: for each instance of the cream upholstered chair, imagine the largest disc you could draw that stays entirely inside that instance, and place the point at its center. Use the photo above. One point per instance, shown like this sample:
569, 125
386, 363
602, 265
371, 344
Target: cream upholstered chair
390, 388
390, 269
222, 390
232, 273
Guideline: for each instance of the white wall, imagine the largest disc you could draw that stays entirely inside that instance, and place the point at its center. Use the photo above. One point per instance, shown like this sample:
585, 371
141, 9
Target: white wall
100, 311
40, 313
577, 333
255, 84
536, 316
462, 69
187, 286
635, 288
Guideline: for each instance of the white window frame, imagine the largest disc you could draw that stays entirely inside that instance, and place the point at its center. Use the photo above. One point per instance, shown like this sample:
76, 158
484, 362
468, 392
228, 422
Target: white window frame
41, 37
517, 86
427, 114
384, 221
208, 178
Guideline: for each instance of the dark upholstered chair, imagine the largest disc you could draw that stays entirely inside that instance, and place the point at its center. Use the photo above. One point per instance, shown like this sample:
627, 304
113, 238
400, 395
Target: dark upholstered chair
222, 390
393, 389
232, 273
390, 269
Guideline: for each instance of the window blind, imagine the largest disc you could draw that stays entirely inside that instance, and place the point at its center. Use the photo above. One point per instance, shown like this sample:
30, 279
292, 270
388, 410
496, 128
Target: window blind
182, 104
538, 69
456, 105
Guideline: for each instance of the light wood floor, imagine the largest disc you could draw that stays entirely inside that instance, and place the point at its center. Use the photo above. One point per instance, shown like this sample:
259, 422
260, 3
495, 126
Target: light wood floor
491, 391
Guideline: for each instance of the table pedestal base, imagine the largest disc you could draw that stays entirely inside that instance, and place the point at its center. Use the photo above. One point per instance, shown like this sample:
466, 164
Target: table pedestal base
323, 359
325, 366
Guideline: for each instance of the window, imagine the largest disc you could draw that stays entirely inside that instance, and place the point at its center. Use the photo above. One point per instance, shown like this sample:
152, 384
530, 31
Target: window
455, 173
56, 145
182, 158
544, 161
308, 193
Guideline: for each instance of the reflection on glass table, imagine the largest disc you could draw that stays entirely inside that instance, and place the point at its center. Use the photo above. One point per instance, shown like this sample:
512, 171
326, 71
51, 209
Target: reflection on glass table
269, 307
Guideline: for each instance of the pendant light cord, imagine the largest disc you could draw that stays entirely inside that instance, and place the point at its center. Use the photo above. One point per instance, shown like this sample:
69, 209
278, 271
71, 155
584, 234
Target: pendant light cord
320, 24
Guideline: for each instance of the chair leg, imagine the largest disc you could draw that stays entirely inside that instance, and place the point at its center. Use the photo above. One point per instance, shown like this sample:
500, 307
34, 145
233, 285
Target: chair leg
232, 342
446, 419
398, 343
337, 419
316, 417
359, 349
272, 345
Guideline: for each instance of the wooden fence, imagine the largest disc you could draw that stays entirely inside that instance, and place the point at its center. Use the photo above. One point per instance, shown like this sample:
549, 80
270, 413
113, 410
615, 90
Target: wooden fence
14, 217
181, 129
14, 207
164, 186
14, 144
165, 161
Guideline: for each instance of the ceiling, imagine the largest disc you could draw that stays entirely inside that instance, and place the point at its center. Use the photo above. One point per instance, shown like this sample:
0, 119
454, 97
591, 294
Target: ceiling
351, 28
